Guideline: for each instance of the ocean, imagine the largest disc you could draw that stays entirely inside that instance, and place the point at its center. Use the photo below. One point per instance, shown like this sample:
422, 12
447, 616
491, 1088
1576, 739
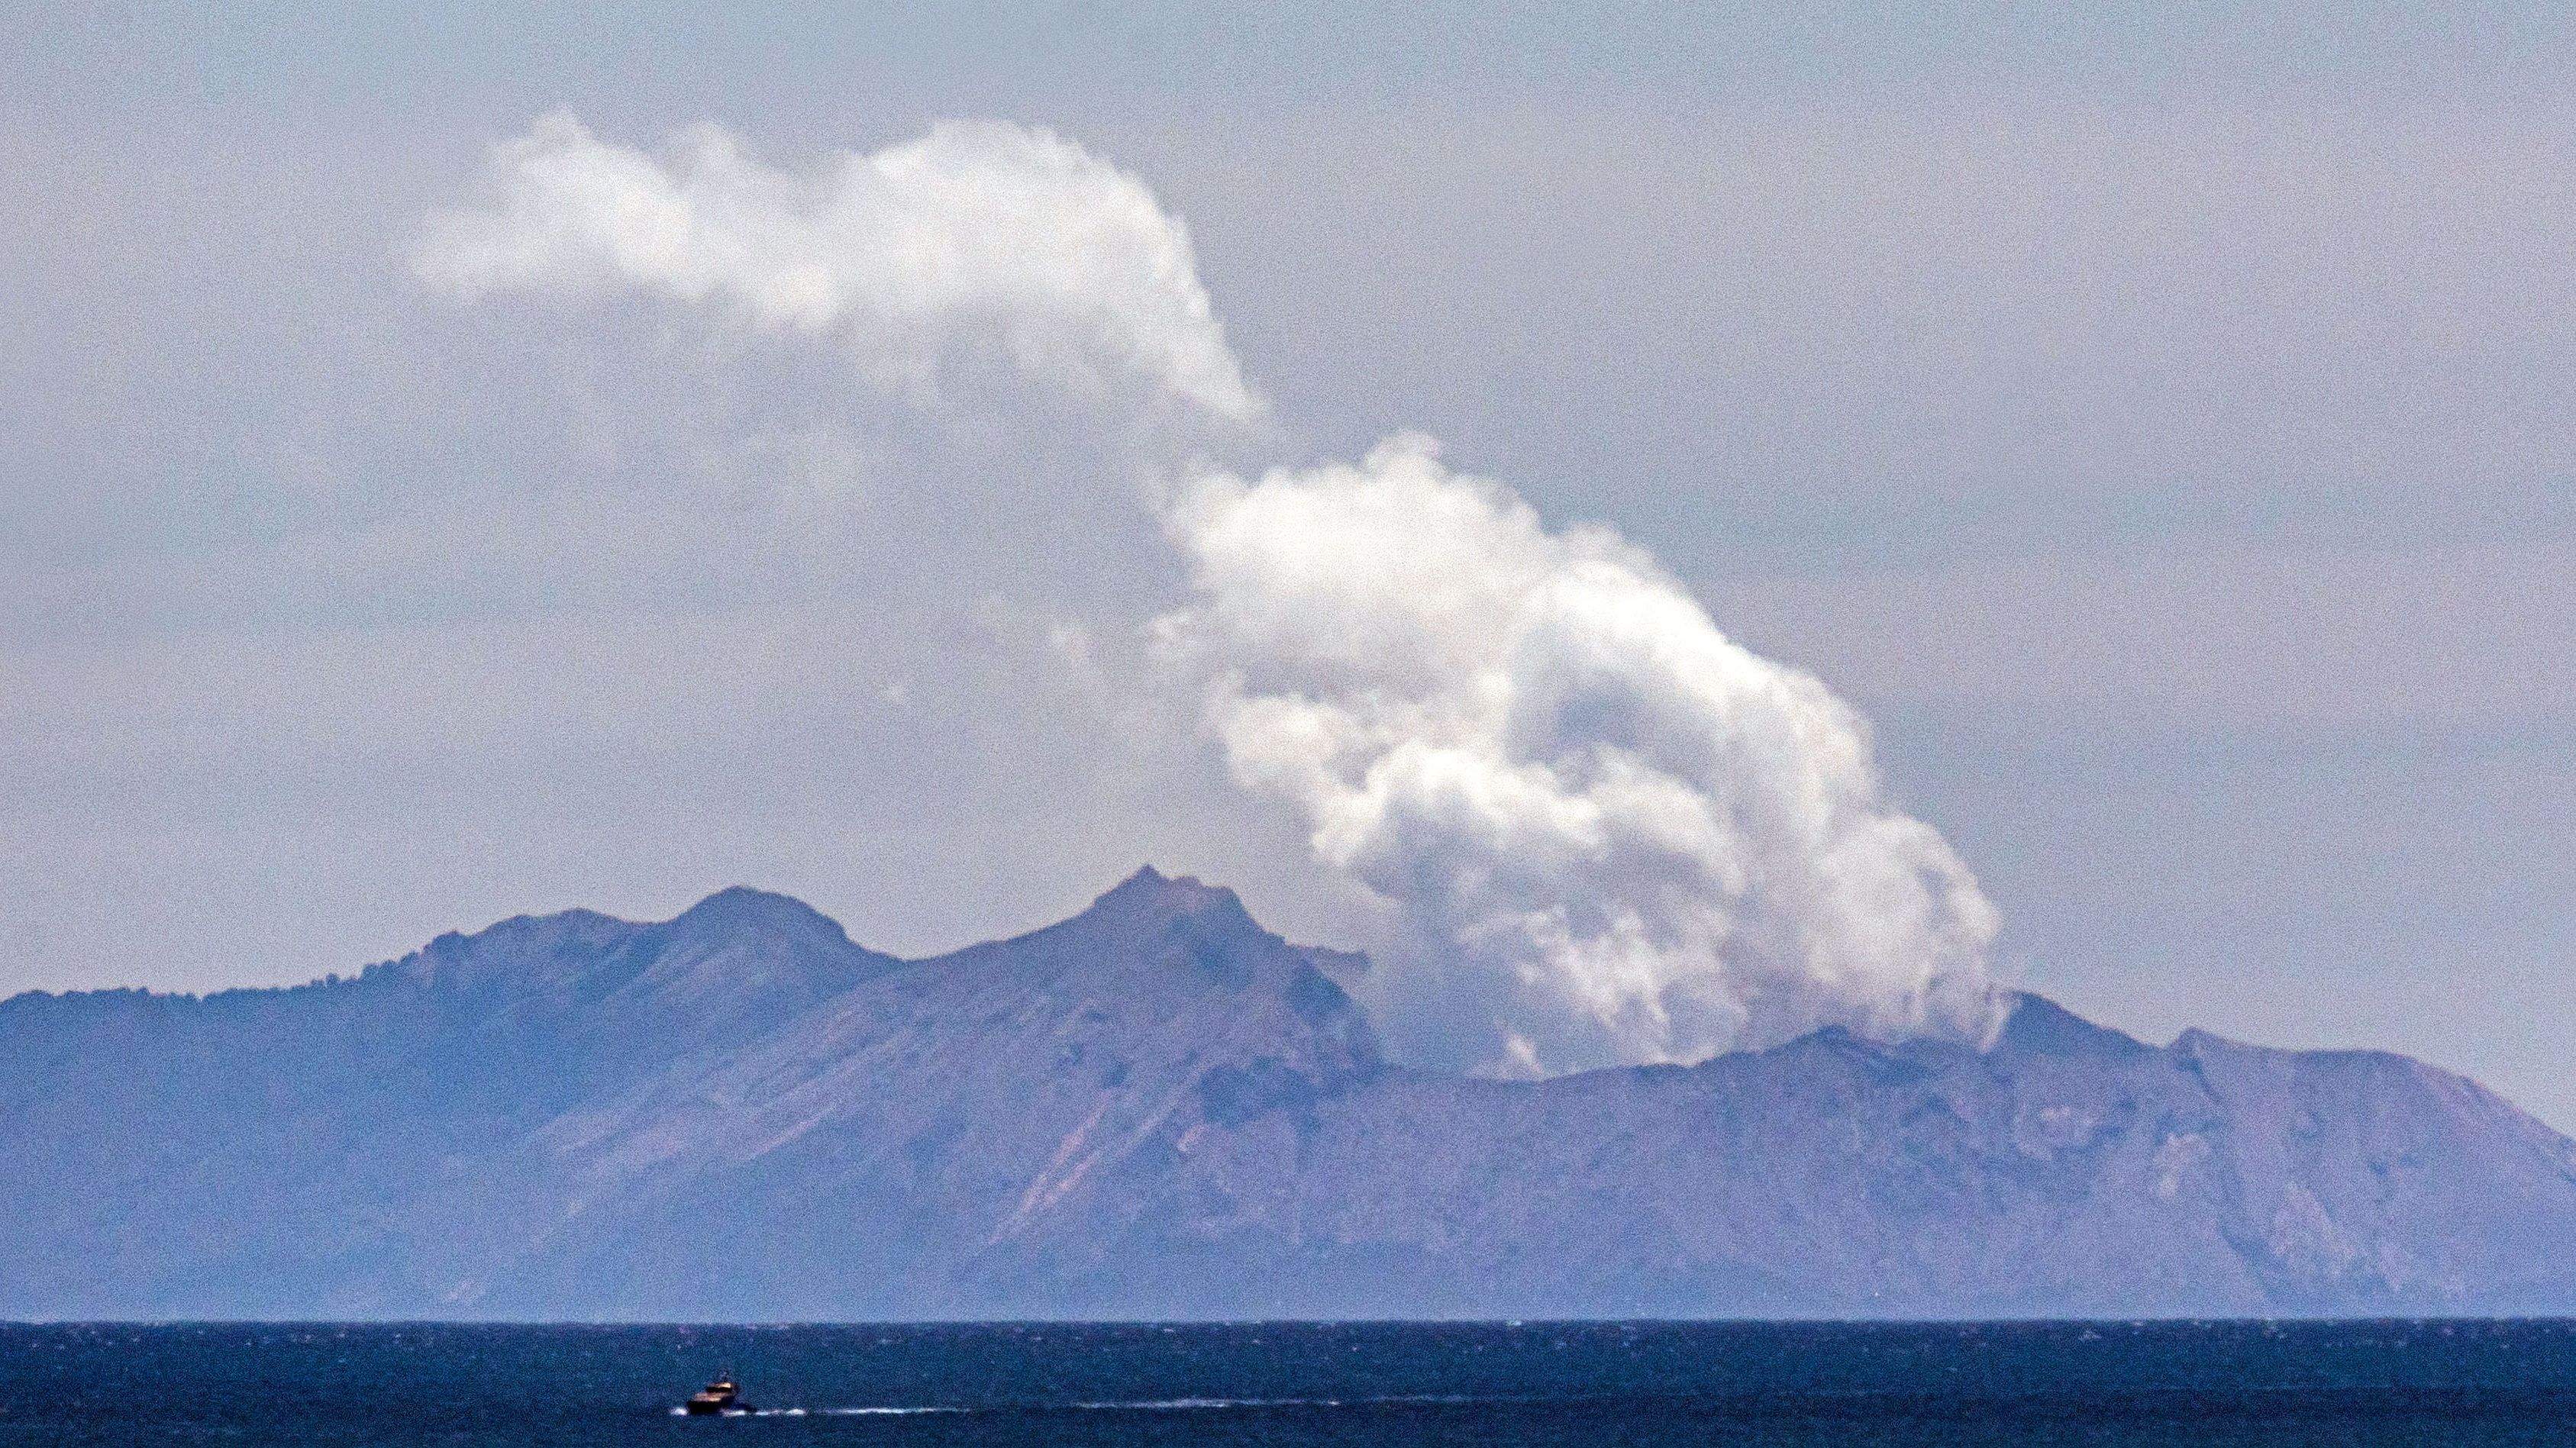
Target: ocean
2206, 1385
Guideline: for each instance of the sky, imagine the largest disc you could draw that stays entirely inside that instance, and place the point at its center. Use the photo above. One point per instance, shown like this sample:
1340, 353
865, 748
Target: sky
2151, 422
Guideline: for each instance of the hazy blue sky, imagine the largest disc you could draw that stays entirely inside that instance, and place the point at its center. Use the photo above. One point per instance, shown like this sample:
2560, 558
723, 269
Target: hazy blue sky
2157, 423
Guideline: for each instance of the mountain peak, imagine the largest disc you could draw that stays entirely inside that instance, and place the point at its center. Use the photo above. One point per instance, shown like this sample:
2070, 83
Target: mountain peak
2039, 1026
1150, 890
740, 907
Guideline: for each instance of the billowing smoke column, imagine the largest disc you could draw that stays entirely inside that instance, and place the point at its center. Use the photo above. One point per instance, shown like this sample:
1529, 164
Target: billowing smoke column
1613, 835
1624, 837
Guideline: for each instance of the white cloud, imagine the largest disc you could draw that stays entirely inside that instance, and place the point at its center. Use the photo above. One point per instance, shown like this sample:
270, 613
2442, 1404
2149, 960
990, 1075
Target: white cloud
975, 231
1619, 836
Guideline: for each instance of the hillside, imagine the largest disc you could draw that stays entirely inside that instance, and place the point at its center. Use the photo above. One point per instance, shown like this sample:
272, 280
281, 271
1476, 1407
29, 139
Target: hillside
1159, 1109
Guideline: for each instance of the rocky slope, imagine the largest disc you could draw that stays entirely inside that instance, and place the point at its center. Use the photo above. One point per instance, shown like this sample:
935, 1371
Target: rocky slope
1159, 1109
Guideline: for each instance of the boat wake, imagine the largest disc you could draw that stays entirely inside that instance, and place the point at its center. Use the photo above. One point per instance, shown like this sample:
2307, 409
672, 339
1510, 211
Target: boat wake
1165, 1405
1121, 1405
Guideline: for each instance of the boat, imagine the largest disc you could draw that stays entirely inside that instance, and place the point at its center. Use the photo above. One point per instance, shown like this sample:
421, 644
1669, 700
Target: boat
719, 1397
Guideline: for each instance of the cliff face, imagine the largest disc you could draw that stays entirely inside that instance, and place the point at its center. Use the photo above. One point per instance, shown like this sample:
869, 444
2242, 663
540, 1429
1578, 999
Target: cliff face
1159, 1109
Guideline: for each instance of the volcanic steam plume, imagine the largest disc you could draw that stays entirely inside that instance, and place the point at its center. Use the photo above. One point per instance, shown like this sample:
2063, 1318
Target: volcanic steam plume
1611, 834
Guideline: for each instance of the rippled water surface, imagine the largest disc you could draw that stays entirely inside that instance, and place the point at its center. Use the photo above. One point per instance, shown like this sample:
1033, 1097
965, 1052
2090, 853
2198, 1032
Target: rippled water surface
2201, 1384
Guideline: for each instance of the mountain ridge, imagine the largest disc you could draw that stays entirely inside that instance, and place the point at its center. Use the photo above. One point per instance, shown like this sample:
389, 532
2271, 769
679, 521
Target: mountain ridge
1157, 1108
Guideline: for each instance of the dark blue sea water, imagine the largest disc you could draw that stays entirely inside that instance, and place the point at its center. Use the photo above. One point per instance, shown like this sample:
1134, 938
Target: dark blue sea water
2206, 1385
